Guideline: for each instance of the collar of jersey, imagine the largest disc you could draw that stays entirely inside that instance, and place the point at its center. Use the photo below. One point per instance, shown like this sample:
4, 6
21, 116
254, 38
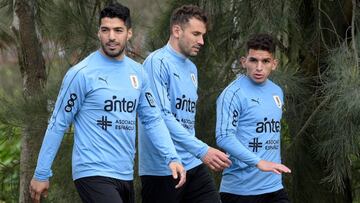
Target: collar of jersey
176, 54
256, 84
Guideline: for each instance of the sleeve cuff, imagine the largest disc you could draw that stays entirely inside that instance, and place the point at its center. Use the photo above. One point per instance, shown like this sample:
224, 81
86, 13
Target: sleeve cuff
172, 159
41, 177
255, 161
202, 152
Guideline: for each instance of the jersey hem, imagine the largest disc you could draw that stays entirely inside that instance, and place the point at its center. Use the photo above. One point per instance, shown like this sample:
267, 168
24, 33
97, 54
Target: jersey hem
110, 175
254, 192
167, 172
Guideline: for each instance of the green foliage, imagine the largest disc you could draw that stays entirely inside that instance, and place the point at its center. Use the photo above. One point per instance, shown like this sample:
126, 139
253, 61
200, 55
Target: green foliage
6, 13
9, 165
15, 112
72, 25
9, 80
339, 121
9, 136
318, 71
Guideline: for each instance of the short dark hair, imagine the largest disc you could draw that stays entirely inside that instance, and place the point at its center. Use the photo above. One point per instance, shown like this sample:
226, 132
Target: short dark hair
261, 41
183, 14
116, 10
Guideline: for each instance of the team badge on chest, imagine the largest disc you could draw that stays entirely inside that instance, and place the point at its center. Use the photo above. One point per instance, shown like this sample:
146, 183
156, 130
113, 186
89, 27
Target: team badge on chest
134, 81
193, 78
277, 101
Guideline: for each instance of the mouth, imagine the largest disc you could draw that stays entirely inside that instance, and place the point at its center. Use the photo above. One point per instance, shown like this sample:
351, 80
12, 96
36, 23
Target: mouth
197, 48
258, 76
112, 45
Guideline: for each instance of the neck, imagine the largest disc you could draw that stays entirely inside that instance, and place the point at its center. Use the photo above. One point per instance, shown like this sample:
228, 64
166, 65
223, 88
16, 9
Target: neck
175, 44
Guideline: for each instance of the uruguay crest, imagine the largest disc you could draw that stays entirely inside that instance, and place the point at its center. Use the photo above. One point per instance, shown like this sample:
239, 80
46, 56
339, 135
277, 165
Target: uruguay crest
134, 81
193, 78
277, 101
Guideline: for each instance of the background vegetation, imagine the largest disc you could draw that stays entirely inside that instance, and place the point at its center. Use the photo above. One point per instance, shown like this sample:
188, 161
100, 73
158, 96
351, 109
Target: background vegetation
319, 71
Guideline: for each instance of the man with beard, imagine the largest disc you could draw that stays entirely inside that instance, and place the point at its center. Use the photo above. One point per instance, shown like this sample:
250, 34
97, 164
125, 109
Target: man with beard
102, 95
174, 82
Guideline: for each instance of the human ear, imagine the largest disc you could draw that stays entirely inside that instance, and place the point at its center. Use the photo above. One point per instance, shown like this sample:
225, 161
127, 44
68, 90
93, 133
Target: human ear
129, 35
243, 61
275, 63
176, 30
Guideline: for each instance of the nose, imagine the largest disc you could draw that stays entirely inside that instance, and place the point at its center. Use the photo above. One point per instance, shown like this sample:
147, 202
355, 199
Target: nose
201, 40
259, 66
111, 35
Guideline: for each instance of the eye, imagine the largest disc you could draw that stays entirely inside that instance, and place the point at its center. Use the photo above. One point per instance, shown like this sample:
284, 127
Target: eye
253, 60
266, 61
196, 33
104, 29
119, 30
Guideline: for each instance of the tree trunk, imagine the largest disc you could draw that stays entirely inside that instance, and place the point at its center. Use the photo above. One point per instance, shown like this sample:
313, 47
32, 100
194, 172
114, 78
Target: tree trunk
30, 144
33, 72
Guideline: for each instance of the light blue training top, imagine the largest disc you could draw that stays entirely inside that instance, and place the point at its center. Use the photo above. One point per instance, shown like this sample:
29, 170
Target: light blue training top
101, 96
248, 129
174, 83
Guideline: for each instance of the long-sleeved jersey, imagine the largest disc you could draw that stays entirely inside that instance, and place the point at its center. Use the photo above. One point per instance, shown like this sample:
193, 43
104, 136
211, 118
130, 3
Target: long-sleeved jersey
174, 83
248, 129
101, 96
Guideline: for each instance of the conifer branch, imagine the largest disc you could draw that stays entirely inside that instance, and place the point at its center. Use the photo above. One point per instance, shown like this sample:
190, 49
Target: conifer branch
353, 34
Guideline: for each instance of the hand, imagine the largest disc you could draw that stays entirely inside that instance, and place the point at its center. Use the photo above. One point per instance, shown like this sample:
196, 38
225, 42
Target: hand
216, 160
177, 168
38, 188
268, 166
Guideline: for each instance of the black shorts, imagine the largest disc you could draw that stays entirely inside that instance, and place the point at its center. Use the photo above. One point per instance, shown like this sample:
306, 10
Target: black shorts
101, 189
279, 196
199, 188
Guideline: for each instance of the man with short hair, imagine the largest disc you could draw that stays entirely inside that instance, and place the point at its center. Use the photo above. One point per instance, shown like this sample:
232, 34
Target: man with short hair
174, 82
248, 127
102, 95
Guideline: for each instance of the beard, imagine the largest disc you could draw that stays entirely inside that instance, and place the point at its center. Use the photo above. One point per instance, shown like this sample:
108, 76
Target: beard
112, 53
187, 51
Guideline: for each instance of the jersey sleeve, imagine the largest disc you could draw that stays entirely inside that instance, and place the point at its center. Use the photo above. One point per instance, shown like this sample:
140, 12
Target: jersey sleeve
68, 103
228, 110
149, 116
180, 135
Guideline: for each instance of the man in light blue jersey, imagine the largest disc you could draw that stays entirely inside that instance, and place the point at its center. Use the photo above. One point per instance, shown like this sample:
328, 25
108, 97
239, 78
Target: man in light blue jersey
102, 95
248, 127
174, 82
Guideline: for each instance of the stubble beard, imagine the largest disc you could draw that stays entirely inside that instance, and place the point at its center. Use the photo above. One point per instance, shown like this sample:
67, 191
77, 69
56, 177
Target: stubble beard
188, 51
111, 54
